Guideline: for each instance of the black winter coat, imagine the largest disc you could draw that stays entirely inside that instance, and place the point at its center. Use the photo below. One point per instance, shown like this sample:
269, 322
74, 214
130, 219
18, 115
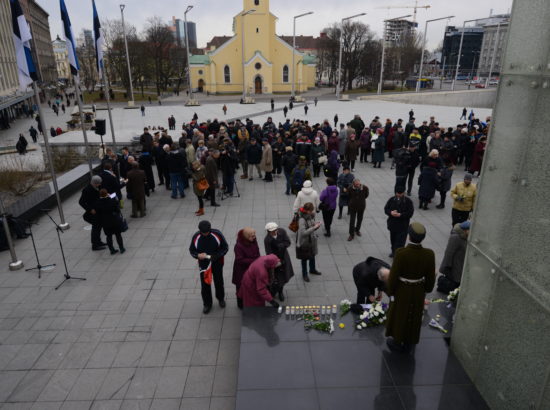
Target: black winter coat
87, 201
176, 162
405, 207
365, 276
110, 183
254, 153
428, 181
108, 215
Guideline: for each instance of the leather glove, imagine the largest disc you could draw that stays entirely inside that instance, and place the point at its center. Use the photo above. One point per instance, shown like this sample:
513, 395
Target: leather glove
274, 303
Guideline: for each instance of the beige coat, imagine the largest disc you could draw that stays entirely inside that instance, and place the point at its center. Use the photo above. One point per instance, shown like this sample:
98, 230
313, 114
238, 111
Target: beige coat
266, 164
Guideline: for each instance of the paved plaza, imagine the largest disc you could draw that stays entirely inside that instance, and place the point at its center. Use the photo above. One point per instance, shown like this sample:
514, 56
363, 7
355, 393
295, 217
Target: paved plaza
133, 336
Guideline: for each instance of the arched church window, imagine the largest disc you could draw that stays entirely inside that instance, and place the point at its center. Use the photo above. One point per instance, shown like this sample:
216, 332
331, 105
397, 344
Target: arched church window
285, 74
256, 2
227, 74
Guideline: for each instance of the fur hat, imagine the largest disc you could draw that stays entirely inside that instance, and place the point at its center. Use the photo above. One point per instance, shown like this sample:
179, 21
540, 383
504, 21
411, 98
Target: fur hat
271, 226
417, 232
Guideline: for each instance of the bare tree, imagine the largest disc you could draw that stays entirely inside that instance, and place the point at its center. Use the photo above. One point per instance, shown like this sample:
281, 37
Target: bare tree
87, 61
160, 43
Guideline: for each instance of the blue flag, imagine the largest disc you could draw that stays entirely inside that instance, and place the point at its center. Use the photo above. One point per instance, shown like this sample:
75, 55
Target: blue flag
69, 38
98, 37
26, 69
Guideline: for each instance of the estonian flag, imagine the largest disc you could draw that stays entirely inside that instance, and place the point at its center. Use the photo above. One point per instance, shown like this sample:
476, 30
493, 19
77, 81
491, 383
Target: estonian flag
69, 39
98, 37
21, 39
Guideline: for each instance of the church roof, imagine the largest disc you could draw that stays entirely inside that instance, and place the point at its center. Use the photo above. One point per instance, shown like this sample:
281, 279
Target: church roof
309, 59
199, 59
303, 42
217, 41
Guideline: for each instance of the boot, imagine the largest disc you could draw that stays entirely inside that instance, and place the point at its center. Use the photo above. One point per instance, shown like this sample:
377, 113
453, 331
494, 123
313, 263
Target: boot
440, 206
200, 212
421, 205
281, 296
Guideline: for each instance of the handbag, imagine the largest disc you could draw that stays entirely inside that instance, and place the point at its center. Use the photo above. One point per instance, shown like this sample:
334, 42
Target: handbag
322, 159
203, 185
293, 226
123, 224
323, 206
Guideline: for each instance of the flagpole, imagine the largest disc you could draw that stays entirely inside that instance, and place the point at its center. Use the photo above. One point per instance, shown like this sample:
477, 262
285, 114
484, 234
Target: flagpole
108, 98
63, 225
76, 80
15, 263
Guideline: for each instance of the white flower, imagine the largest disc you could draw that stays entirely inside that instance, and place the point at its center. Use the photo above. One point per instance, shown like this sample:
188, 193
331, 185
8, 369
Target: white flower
363, 315
376, 313
363, 324
358, 327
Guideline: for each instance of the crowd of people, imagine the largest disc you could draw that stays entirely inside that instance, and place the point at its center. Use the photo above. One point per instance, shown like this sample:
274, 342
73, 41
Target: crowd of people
300, 152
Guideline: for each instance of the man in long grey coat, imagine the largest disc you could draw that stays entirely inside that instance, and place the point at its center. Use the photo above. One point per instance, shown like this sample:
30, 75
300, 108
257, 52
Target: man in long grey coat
453, 260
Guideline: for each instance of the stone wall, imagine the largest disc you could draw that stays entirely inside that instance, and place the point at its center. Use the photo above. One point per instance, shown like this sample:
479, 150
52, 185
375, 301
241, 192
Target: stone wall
464, 98
502, 330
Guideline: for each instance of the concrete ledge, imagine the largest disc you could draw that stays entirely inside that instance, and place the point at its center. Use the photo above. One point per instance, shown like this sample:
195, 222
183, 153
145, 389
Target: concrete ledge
29, 205
344, 97
249, 100
463, 98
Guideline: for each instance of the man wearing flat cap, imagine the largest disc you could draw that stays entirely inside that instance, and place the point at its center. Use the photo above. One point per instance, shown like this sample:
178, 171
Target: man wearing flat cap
209, 247
464, 196
412, 275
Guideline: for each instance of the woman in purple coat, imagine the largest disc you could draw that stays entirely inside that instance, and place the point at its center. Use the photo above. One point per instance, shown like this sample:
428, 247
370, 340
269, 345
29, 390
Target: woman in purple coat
246, 252
328, 203
254, 290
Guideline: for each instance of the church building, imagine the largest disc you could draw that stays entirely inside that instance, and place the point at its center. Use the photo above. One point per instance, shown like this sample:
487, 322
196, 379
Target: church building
267, 59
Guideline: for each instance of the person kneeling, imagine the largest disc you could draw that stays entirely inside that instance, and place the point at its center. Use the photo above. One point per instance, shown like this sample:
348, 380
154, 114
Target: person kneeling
254, 289
370, 276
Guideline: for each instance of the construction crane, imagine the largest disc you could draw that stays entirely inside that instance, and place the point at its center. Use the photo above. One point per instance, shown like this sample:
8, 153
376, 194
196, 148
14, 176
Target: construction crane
415, 7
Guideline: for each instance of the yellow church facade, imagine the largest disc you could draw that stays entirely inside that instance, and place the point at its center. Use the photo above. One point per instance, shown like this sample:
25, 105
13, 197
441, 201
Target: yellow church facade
267, 59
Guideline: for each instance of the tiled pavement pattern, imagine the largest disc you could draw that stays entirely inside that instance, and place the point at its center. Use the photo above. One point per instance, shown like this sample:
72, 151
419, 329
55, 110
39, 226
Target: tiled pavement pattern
132, 336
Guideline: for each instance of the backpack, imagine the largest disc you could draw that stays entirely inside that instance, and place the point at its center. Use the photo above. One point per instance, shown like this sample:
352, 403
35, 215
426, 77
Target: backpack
298, 179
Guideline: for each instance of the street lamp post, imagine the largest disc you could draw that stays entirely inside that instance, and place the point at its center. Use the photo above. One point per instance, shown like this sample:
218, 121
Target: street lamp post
131, 102
15, 263
340, 54
294, 50
418, 81
472, 69
493, 58
242, 48
460, 52
384, 50
189, 86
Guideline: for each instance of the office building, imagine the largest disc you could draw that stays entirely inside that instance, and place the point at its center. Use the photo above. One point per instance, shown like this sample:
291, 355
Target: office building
398, 30
471, 47
494, 39
178, 29
61, 59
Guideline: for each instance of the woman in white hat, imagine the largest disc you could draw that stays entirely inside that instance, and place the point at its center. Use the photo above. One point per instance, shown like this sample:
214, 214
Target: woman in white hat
277, 242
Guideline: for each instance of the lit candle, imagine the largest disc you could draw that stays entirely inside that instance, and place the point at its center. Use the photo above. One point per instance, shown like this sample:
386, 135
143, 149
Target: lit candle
287, 311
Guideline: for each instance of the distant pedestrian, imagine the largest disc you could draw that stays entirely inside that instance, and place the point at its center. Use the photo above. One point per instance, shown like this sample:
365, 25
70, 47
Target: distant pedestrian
272, 105
291, 105
327, 204
143, 110
21, 145
63, 108
411, 114
285, 110
209, 247
358, 194
336, 121
316, 100
464, 114
34, 134
224, 108
306, 108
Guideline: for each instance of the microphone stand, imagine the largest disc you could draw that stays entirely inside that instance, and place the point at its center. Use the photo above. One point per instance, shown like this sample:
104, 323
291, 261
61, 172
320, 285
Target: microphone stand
38, 266
59, 231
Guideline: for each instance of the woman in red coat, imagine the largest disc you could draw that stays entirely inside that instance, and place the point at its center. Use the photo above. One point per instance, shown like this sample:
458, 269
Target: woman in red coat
254, 289
477, 159
246, 252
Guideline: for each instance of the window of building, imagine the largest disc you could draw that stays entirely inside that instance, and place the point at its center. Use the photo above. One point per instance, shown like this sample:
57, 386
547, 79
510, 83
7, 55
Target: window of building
285, 74
256, 2
227, 74
257, 30
200, 72
258, 66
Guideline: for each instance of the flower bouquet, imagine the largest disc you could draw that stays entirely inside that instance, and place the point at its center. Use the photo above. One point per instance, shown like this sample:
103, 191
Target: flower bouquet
313, 321
375, 315
345, 306
453, 295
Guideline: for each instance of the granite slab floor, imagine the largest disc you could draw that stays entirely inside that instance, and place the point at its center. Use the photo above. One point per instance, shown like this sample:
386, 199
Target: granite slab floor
133, 336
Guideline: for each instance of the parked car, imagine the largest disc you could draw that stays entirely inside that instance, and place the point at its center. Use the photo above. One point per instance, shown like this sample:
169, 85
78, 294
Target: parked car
493, 82
480, 85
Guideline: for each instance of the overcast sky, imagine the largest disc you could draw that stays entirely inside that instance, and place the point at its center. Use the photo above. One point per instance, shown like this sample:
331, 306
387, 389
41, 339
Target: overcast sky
214, 17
